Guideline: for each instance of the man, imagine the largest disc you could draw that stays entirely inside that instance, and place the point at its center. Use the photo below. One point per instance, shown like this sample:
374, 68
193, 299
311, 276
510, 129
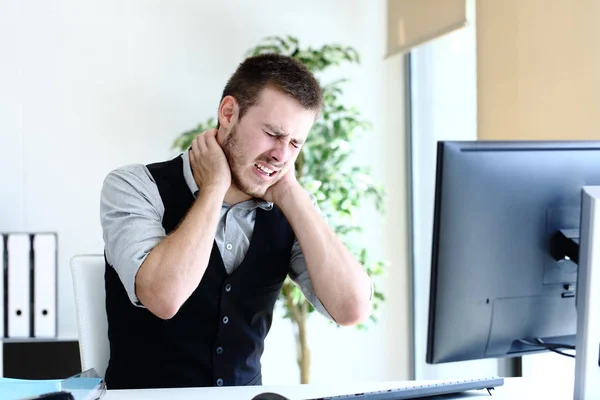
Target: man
197, 248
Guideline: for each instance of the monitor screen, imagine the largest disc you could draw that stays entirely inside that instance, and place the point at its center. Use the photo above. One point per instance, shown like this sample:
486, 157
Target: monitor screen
496, 285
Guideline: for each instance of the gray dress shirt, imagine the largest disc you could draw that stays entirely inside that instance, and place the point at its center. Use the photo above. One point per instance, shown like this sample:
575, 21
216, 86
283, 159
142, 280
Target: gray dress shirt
131, 212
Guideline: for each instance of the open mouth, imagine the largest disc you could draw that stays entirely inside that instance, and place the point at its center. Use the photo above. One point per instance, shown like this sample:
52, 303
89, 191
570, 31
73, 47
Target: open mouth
264, 169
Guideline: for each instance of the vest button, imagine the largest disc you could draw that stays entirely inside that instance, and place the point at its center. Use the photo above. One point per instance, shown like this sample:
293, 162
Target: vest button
225, 319
229, 246
219, 350
219, 382
227, 287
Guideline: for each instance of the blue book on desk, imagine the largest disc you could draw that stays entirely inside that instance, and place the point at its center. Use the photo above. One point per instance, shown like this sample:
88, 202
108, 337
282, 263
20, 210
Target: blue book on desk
17, 389
84, 386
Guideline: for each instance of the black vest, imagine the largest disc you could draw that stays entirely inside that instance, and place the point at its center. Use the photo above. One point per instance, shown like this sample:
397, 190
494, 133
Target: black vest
217, 337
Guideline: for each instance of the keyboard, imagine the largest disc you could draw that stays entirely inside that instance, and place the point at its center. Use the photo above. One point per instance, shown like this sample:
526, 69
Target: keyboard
434, 388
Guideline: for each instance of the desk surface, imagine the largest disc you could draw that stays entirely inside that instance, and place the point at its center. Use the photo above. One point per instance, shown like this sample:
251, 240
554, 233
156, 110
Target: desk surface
513, 388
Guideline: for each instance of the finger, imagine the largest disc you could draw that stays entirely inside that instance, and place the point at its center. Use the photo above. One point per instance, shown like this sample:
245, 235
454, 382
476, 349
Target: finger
193, 158
192, 154
212, 144
211, 132
194, 149
198, 146
208, 139
210, 135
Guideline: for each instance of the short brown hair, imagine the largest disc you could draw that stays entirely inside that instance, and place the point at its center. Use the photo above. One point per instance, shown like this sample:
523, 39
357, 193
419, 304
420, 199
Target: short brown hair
276, 71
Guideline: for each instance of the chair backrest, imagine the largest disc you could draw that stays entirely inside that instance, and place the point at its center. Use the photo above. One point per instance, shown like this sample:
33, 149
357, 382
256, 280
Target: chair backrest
87, 272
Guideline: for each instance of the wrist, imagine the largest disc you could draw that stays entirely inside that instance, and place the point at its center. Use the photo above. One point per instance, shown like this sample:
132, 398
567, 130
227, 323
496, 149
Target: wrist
289, 196
215, 189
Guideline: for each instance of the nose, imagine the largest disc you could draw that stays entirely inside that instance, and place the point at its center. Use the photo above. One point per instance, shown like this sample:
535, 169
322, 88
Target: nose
281, 152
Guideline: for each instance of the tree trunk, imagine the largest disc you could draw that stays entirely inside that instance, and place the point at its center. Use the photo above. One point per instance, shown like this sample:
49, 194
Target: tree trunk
303, 350
298, 314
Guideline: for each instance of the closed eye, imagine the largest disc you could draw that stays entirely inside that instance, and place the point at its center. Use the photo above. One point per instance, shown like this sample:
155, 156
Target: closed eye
294, 143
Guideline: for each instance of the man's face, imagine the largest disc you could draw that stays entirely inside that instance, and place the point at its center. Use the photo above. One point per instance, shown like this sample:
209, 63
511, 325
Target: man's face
264, 144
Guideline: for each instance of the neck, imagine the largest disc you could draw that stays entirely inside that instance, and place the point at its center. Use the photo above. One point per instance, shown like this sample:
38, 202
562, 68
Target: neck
234, 196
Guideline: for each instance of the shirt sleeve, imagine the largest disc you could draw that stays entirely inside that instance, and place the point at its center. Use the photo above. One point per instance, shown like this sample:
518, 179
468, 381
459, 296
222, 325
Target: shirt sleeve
299, 274
131, 212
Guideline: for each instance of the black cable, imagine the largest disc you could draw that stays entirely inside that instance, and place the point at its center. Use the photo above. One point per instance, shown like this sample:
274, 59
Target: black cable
554, 347
562, 353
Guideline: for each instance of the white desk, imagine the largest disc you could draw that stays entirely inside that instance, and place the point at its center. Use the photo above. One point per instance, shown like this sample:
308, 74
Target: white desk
513, 388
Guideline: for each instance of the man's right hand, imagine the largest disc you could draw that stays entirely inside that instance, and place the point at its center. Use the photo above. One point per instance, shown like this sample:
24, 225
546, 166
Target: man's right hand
209, 164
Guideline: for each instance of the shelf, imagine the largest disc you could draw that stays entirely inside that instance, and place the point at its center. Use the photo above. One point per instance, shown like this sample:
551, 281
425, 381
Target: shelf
38, 340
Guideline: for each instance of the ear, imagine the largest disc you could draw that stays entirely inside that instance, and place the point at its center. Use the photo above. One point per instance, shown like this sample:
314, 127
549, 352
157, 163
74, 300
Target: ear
228, 112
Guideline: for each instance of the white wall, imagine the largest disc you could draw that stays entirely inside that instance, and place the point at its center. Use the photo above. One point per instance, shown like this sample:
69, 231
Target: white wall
87, 86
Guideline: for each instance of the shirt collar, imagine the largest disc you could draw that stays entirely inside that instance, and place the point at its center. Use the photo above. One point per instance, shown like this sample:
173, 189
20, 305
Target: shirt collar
187, 172
191, 182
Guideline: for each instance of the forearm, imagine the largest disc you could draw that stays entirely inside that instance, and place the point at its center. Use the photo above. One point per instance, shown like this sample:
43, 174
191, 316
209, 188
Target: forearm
339, 281
173, 269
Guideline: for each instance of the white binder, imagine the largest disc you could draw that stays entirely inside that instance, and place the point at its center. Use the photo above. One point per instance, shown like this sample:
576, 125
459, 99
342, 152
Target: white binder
19, 297
44, 285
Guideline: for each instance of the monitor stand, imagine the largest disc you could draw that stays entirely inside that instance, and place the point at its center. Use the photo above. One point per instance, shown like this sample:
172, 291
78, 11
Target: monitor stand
587, 360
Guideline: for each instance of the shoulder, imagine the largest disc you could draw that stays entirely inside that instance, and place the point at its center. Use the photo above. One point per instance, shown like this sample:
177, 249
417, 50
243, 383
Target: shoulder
129, 182
131, 172
134, 175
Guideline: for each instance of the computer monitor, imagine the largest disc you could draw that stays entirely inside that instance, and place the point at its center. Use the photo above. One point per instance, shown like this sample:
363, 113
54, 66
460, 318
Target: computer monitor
499, 282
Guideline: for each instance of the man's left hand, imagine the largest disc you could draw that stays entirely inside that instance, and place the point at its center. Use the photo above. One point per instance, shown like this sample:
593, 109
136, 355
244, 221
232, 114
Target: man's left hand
283, 187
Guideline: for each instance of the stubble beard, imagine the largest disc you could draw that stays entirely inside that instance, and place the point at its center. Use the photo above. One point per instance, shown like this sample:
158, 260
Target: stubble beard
233, 154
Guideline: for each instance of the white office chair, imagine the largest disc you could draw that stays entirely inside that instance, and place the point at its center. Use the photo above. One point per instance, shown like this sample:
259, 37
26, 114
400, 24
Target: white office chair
87, 272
